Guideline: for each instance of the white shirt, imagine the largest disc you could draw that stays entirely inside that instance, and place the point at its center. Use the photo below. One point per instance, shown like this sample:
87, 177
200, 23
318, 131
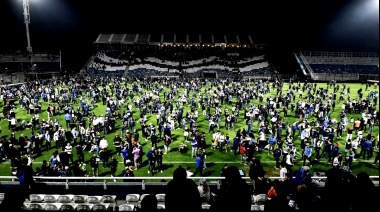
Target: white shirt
103, 144
283, 171
289, 159
47, 137
56, 136
189, 173
221, 138
69, 149
13, 121
335, 161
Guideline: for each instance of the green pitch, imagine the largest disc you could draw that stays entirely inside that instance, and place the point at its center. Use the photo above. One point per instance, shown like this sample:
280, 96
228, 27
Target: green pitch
215, 160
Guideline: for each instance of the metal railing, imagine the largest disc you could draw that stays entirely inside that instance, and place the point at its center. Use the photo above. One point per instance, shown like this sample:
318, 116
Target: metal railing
142, 181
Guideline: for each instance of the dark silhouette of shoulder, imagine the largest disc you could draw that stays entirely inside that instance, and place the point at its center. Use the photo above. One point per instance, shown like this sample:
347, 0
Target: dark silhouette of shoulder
182, 193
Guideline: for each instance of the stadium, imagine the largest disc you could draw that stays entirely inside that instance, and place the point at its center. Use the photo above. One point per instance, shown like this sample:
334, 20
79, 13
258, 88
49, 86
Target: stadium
104, 120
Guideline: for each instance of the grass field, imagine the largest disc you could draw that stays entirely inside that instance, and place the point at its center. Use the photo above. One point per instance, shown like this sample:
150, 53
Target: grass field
215, 160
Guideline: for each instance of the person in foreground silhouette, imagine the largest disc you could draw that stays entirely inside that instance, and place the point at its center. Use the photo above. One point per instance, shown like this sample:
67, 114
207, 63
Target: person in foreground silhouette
182, 193
236, 195
149, 203
13, 200
366, 193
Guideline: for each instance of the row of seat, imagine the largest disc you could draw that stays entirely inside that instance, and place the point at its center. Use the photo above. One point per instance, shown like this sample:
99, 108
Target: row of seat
137, 198
87, 207
68, 207
70, 198
72, 202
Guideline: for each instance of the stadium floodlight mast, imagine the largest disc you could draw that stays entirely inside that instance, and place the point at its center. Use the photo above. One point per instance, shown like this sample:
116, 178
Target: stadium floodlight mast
25, 5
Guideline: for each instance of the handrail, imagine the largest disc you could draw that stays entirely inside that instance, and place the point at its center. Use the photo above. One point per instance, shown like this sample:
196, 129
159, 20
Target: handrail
141, 183
147, 178
312, 75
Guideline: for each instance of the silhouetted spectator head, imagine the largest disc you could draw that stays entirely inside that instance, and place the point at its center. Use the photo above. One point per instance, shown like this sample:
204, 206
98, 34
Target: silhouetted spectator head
24, 161
232, 174
364, 181
149, 203
182, 193
179, 173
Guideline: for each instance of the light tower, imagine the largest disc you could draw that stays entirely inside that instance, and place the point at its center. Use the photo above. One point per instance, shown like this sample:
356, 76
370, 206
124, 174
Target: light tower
25, 5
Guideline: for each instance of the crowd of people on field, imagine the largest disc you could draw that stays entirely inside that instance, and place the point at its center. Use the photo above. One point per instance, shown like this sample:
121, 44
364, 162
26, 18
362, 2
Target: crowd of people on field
180, 105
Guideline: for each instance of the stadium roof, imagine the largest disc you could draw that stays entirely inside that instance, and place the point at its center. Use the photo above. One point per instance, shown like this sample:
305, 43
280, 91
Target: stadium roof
176, 39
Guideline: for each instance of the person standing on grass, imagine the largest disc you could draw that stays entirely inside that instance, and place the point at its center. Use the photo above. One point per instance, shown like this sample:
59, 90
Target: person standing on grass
80, 154
277, 154
194, 147
235, 145
256, 173
198, 165
350, 155
289, 162
159, 155
94, 163
167, 143
25, 177
67, 118
117, 143
151, 155
113, 165
307, 153
243, 152
69, 150
376, 159
136, 157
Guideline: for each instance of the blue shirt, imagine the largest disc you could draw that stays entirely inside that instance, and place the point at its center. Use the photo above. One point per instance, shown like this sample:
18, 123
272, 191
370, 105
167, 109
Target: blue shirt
308, 151
67, 117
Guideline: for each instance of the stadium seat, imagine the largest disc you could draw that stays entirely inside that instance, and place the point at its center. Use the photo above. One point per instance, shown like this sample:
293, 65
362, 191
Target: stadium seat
52, 207
1, 197
66, 198
255, 208
132, 198
100, 207
108, 199
206, 206
36, 197
94, 199
34, 206
50, 198
161, 206
84, 207
127, 207
141, 198
69, 206
261, 199
79, 198
254, 199
160, 197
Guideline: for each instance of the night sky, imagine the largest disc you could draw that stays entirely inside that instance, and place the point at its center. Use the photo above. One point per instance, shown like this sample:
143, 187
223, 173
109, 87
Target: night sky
73, 25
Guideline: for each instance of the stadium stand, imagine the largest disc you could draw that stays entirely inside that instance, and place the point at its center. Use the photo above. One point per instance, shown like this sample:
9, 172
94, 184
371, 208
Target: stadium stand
340, 66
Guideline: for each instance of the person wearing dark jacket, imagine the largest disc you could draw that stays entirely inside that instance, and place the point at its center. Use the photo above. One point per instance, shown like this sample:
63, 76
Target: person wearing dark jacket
13, 200
94, 163
236, 195
256, 173
182, 193
367, 197
26, 172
